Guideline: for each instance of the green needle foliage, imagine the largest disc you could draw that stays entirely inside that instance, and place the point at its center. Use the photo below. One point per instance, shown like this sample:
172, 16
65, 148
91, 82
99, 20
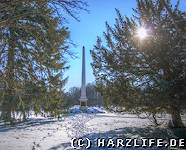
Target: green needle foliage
33, 45
144, 75
59, 8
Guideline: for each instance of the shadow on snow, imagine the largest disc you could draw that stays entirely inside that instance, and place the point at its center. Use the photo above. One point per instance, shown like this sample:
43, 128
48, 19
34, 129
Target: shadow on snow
128, 132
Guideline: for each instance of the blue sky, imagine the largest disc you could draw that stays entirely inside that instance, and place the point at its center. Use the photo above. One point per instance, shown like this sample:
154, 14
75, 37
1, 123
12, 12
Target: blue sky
91, 25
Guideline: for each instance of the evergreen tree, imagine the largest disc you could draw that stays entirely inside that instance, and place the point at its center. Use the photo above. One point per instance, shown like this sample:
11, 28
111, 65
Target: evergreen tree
32, 59
177, 23
71, 7
143, 75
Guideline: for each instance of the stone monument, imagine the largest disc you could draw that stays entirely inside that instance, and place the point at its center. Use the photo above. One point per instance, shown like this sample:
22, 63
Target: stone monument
83, 99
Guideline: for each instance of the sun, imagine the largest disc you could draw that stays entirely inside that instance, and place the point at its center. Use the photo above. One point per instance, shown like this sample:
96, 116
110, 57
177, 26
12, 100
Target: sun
142, 33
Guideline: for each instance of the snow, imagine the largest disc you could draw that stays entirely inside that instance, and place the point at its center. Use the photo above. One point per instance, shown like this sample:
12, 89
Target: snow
76, 109
39, 133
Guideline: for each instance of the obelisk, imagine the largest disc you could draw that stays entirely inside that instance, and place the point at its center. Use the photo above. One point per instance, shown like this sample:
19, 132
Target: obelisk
83, 99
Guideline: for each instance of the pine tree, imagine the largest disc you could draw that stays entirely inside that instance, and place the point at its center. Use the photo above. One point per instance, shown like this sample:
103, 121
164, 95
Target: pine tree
71, 7
168, 46
32, 61
143, 75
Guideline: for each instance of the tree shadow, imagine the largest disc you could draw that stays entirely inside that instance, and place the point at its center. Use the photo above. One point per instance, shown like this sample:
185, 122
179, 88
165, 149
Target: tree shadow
26, 124
179, 132
127, 132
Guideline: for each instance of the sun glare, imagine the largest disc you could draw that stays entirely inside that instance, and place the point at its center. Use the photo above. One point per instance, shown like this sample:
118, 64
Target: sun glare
142, 33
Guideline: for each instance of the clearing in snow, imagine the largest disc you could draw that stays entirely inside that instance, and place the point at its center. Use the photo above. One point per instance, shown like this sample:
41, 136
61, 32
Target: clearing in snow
39, 133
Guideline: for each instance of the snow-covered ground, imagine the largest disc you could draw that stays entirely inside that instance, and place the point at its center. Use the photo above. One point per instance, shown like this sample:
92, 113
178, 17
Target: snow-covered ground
40, 133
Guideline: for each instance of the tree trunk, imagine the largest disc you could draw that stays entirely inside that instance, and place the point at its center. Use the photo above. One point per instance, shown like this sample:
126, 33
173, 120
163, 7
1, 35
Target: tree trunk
176, 121
6, 114
8, 100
